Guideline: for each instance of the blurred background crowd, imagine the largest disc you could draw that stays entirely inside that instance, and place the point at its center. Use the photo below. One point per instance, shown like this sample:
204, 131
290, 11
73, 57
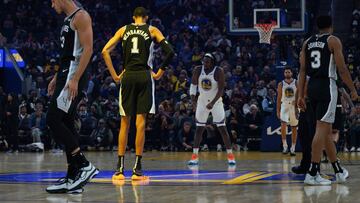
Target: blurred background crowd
193, 27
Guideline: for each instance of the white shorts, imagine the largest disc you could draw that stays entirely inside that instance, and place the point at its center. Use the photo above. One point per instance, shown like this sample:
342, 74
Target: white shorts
287, 114
217, 112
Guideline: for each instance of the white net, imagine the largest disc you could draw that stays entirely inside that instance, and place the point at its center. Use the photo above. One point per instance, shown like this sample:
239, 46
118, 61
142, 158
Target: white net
265, 31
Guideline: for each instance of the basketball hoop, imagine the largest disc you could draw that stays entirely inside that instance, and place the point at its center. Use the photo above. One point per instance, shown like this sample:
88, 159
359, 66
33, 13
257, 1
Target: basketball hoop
265, 30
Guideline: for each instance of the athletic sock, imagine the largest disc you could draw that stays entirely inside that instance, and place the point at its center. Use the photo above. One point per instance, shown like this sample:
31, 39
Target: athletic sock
196, 151
120, 164
314, 168
137, 166
79, 159
336, 166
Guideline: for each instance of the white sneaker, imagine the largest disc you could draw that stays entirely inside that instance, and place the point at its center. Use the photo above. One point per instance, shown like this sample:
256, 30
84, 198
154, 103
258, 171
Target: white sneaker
352, 149
194, 160
346, 149
285, 150
292, 151
341, 177
85, 174
205, 148
219, 148
316, 180
358, 149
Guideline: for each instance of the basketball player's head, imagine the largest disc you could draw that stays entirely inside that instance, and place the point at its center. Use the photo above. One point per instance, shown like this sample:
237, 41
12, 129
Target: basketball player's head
141, 14
208, 61
324, 24
288, 72
60, 5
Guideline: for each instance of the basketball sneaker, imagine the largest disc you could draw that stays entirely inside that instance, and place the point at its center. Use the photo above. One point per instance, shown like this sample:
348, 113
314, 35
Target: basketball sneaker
138, 175
341, 177
83, 176
292, 151
231, 159
316, 180
194, 160
285, 150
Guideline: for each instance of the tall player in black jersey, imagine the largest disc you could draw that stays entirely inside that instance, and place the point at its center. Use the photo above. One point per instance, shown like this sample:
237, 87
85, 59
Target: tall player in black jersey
76, 40
321, 56
136, 82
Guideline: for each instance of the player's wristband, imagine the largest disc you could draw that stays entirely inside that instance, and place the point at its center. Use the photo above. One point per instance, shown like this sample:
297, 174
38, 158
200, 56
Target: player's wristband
193, 89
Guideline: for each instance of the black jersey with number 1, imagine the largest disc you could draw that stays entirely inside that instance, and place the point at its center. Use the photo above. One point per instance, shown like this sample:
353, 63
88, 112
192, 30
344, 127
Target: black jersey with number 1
137, 47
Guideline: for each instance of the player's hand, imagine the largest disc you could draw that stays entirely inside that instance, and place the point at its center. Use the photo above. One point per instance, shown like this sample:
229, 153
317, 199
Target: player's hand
354, 96
210, 105
194, 104
119, 77
157, 75
51, 86
301, 104
72, 85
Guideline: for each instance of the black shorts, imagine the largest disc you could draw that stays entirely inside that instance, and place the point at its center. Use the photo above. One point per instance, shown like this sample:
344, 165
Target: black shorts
60, 84
136, 93
339, 119
323, 95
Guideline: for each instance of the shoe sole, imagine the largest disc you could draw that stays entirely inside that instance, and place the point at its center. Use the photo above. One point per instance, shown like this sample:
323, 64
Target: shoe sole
118, 177
139, 178
60, 191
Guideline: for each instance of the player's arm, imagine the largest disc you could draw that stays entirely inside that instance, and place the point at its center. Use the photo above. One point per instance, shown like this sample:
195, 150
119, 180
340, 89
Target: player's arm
110, 45
165, 46
278, 99
302, 77
51, 86
194, 85
346, 97
83, 26
335, 47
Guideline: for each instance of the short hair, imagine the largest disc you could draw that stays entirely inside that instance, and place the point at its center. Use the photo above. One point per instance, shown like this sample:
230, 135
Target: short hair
140, 12
288, 68
324, 22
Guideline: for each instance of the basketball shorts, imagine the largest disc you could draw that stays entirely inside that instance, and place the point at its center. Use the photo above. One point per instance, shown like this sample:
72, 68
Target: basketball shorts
287, 114
136, 95
323, 96
339, 119
202, 113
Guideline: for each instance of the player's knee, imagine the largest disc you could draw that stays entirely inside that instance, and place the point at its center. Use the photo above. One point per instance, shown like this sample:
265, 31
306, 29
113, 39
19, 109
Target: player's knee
140, 125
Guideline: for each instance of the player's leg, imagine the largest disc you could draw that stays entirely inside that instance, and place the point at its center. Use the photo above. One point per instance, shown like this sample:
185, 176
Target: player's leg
62, 126
218, 114
139, 145
293, 123
144, 103
283, 131
201, 116
122, 143
284, 119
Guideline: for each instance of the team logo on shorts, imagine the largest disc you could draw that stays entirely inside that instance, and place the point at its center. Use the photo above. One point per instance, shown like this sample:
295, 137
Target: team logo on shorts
289, 92
206, 84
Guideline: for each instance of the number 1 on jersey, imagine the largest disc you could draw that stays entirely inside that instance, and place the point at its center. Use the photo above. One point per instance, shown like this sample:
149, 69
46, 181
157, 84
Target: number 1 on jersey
134, 49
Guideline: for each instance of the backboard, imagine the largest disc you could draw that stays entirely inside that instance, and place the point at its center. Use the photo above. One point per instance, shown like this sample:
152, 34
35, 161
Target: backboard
289, 15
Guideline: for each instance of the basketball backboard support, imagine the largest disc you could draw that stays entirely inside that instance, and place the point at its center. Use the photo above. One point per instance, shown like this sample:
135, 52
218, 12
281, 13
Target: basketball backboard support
289, 15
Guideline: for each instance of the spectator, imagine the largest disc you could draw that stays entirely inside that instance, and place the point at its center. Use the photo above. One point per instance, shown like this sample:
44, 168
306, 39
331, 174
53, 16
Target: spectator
102, 137
11, 122
355, 129
24, 127
268, 103
254, 122
185, 137
38, 124
87, 126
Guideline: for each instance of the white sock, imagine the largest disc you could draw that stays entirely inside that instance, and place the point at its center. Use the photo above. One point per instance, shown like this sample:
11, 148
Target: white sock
196, 150
293, 146
229, 151
285, 145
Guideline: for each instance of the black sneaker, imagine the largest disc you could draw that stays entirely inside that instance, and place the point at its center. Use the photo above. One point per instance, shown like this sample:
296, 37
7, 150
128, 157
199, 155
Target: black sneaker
299, 170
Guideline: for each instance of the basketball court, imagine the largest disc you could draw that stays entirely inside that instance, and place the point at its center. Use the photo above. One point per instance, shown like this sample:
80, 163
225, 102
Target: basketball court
258, 177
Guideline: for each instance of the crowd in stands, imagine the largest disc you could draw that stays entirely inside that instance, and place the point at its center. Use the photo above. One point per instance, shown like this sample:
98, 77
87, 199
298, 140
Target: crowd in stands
193, 27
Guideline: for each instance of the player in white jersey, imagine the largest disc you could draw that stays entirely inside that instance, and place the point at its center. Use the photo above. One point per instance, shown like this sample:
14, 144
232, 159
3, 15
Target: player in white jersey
210, 81
286, 109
